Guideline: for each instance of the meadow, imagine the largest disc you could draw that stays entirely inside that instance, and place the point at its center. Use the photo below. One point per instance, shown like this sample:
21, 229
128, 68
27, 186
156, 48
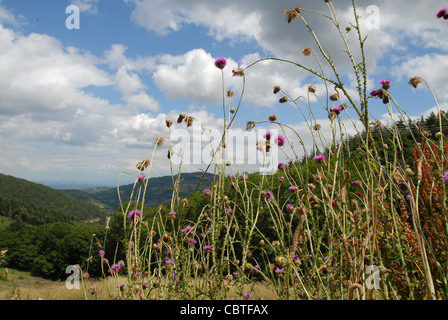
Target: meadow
360, 217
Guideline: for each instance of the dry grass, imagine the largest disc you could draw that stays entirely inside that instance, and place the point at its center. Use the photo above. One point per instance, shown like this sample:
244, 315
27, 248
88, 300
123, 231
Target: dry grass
22, 286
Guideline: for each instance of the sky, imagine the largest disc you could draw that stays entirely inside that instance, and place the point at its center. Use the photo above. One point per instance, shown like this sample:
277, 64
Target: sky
81, 103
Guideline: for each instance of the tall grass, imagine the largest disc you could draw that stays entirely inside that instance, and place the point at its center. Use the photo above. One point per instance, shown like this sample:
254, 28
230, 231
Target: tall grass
348, 222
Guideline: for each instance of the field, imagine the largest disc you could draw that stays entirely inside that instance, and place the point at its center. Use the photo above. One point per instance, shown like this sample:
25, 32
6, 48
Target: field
361, 214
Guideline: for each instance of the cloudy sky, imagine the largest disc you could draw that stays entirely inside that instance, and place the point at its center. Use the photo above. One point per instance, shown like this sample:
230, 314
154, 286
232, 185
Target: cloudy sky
80, 105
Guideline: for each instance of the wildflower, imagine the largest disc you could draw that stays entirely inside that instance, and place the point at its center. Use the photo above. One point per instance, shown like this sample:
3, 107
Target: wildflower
289, 207
283, 99
281, 166
415, 81
307, 51
319, 159
220, 63
281, 179
172, 215
297, 260
208, 248
261, 243
334, 97
292, 188
247, 295
278, 271
115, 267
445, 177
338, 109
245, 176
188, 229
443, 12
280, 141
191, 240
267, 135
268, 195
386, 83
133, 214
101, 253
141, 178
273, 118
238, 72
207, 193
356, 183
169, 262
312, 88
228, 210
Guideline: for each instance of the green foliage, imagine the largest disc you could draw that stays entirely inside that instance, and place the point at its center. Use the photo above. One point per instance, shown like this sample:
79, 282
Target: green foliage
37, 204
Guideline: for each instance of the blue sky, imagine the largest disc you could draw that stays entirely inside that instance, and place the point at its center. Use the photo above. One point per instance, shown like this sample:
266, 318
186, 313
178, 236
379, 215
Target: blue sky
81, 105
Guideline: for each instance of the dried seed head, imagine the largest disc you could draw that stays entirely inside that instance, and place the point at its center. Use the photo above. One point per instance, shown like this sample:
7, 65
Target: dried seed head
273, 118
238, 72
230, 93
415, 81
291, 15
169, 122
276, 89
159, 141
307, 51
189, 121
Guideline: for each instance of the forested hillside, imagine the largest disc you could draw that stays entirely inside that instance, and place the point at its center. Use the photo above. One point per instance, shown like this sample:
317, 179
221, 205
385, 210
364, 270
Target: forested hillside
37, 204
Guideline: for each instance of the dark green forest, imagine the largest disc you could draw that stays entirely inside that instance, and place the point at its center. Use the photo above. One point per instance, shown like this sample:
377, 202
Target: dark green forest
46, 230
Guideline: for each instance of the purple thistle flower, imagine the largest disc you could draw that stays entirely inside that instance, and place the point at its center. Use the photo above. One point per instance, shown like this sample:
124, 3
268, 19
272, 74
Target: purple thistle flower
141, 178
228, 210
386, 83
281, 179
101, 253
207, 193
281, 166
278, 271
292, 188
172, 213
220, 63
268, 195
442, 13
188, 229
267, 135
247, 295
319, 159
208, 248
280, 141
133, 214
289, 207
445, 177
169, 262
115, 267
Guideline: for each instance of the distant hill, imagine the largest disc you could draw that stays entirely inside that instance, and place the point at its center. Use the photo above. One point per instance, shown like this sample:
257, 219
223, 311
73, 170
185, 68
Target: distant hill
36, 204
159, 191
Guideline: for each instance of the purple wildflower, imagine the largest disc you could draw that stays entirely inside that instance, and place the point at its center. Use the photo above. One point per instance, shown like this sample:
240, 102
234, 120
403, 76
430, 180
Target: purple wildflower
278, 271
133, 214
172, 214
188, 229
281, 166
115, 267
268, 195
280, 141
267, 135
247, 295
101, 253
443, 12
385, 83
289, 207
207, 193
283, 99
292, 188
208, 248
281, 179
169, 262
141, 178
445, 177
220, 63
319, 159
